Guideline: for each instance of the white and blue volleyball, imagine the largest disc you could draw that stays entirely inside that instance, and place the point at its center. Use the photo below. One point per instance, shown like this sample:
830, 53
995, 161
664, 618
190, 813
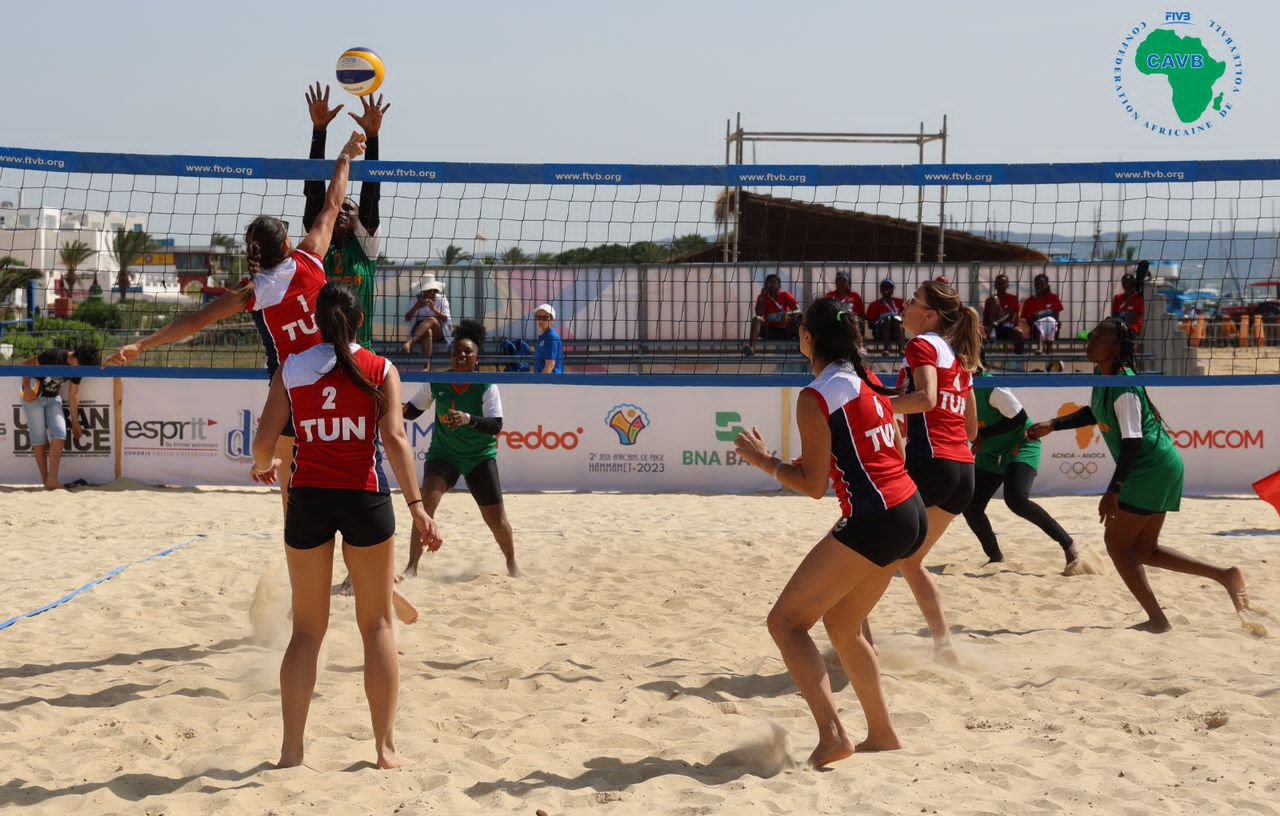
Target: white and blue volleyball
360, 71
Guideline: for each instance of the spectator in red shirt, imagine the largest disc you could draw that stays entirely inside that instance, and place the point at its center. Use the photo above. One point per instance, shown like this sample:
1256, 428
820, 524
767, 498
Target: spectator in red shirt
885, 315
776, 313
1042, 312
1129, 305
1000, 314
845, 296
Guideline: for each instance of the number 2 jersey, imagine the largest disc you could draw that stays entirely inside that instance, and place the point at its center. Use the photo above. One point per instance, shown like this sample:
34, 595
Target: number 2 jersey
866, 471
284, 306
938, 433
336, 421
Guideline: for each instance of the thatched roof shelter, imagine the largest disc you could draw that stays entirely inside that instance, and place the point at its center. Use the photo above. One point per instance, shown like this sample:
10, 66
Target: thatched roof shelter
782, 229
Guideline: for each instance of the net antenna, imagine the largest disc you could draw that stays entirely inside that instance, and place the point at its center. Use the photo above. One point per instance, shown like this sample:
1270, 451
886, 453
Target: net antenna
735, 140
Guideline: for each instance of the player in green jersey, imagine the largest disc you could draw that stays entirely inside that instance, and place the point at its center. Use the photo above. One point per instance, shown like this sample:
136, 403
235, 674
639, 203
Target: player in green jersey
464, 443
1004, 456
1148, 479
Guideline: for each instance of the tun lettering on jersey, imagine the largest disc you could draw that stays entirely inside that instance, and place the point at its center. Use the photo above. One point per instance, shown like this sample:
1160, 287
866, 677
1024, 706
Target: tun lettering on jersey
333, 429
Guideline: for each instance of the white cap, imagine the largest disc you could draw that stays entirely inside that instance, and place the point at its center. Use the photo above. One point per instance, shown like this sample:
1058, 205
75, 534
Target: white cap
545, 307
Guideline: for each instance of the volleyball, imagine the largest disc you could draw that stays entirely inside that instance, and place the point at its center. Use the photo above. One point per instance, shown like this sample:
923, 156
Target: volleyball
360, 71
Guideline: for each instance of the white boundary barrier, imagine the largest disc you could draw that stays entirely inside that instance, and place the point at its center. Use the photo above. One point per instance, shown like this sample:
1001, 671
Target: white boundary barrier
610, 438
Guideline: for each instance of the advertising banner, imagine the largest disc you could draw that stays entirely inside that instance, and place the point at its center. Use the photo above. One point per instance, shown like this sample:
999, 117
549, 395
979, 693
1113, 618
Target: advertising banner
91, 457
612, 438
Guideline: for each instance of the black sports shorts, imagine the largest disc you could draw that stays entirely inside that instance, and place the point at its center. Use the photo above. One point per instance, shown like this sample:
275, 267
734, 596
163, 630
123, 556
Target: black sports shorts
883, 538
316, 514
943, 483
482, 481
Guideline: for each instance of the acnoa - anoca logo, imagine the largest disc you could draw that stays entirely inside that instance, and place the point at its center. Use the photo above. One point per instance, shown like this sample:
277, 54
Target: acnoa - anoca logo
540, 439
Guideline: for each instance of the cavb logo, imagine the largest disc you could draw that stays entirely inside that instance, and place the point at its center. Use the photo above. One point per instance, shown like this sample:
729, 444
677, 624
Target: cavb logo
627, 421
1178, 74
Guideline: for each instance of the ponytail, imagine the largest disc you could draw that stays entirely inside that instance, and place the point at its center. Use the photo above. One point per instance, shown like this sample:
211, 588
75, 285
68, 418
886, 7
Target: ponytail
338, 316
264, 243
837, 336
961, 325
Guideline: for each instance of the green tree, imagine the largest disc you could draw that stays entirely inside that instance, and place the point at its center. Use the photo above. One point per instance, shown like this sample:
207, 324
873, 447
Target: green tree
454, 254
230, 262
14, 274
648, 252
545, 258
72, 254
688, 243
515, 255
127, 247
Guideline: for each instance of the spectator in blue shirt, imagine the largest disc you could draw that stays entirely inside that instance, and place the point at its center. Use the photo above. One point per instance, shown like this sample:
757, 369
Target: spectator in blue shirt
549, 349
548, 354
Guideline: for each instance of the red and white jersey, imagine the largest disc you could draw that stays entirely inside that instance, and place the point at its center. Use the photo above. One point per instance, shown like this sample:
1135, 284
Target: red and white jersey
336, 422
866, 471
939, 433
284, 306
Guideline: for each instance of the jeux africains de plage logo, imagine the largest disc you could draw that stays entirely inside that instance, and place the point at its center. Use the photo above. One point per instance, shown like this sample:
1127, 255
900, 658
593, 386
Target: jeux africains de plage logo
1179, 74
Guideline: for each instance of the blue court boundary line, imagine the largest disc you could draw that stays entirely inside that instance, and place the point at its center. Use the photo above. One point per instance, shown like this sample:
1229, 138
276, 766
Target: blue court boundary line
760, 175
648, 380
65, 598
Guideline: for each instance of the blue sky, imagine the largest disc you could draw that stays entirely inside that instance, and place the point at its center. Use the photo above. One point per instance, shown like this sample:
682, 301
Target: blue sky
653, 82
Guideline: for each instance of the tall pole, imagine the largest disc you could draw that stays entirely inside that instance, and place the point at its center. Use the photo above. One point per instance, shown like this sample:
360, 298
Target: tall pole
942, 196
920, 203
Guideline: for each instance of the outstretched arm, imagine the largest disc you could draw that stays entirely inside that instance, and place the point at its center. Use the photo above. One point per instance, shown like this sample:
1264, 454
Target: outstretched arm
321, 116
184, 326
370, 121
317, 240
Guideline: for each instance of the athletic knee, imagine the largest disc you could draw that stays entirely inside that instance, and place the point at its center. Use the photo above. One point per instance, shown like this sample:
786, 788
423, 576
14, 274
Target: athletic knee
784, 623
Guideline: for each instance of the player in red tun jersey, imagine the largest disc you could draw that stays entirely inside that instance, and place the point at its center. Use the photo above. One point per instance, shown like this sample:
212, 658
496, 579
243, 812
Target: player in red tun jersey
345, 405
848, 436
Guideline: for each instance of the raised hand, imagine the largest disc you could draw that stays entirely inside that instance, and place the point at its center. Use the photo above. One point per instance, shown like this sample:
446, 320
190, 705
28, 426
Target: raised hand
318, 106
354, 146
370, 119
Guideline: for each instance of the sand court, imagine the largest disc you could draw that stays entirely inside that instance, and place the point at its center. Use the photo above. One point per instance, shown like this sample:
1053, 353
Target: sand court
629, 671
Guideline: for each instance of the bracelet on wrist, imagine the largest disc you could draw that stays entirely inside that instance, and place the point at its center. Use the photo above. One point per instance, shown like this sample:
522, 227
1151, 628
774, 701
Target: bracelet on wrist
412, 503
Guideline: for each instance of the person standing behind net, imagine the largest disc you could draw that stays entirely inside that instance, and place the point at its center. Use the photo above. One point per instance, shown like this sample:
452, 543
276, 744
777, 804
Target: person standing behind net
1147, 483
1003, 455
1129, 305
345, 404
847, 434
352, 253
42, 408
464, 443
944, 350
548, 349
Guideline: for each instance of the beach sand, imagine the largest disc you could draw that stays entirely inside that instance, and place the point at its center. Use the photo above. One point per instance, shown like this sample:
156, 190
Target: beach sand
629, 671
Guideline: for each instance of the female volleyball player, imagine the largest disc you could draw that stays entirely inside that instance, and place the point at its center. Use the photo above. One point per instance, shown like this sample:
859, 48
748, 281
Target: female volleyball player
281, 291
1147, 482
846, 430
344, 401
1003, 455
944, 349
464, 443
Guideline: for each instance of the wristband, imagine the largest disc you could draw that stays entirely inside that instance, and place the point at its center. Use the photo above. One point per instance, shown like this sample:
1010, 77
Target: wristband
412, 503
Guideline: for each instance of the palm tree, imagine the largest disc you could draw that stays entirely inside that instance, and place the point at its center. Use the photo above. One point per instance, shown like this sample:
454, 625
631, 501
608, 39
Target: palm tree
231, 260
515, 255
13, 275
127, 247
454, 254
72, 254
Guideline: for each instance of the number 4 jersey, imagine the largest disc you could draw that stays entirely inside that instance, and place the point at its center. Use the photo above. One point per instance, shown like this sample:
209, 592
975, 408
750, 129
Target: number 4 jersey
938, 433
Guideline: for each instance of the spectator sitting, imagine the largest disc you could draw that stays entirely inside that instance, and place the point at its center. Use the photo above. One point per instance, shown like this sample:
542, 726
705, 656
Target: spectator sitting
1043, 311
548, 352
776, 314
42, 406
1000, 314
845, 296
429, 317
885, 316
1129, 305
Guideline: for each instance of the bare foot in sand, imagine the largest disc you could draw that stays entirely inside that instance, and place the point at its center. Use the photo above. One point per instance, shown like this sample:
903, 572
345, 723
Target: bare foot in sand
944, 652
887, 743
829, 751
390, 759
512, 570
1154, 626
1236, 588
289, 760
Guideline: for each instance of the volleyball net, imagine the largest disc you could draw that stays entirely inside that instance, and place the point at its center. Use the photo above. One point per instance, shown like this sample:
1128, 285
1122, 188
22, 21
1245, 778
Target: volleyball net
659, 269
